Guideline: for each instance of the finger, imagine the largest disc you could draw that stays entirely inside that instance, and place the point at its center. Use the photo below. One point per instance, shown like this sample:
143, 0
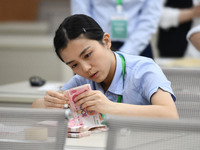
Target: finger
95, 95
92, 108
60, 91
87, 104
56, 94
49, 104
53, 108
84, 100
83, 95
54, 100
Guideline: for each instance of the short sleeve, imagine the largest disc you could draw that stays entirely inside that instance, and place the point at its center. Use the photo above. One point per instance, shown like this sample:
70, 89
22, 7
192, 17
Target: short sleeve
192, 31
151, 78
169, 17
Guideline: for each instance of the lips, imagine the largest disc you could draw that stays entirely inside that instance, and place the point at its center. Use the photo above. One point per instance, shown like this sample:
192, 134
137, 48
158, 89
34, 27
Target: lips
93, 75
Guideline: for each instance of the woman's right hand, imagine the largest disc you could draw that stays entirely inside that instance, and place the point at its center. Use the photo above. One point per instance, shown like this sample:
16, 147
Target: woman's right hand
54, 99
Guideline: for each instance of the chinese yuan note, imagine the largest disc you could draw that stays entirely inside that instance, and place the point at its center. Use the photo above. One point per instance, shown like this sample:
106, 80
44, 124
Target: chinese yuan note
81, 116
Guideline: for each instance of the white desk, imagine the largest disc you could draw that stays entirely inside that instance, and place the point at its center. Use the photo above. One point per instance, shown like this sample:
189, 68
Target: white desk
22, 94
178, 62
96, 141
140, 139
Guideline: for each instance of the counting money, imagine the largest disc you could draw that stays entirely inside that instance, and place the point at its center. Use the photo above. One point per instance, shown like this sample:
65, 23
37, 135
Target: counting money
82, 116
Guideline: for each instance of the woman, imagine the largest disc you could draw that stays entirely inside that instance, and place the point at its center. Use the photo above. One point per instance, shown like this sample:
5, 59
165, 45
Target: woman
142, 90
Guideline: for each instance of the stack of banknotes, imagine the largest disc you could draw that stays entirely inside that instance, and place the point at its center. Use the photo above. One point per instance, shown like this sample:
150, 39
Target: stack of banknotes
83, 122
77, 131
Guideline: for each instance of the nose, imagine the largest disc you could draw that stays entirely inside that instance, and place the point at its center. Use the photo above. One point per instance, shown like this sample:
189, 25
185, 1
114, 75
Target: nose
86, 67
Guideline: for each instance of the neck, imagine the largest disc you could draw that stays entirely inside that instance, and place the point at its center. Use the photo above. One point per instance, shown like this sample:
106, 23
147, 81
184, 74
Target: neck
105, 87
106, 83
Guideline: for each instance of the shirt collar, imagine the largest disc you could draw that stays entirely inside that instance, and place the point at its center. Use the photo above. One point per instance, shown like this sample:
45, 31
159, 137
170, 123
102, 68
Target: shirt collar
116, 85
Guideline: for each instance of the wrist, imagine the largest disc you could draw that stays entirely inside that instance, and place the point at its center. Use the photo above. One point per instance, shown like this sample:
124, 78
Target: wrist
114, 108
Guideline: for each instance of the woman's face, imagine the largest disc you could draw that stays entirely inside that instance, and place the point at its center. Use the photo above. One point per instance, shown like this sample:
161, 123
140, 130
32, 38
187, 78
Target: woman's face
90, 59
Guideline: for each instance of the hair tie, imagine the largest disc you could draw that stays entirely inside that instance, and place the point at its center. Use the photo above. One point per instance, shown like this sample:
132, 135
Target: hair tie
84, 30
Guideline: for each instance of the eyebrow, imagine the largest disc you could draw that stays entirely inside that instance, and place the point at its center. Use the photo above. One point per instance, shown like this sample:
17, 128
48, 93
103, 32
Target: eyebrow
84, 51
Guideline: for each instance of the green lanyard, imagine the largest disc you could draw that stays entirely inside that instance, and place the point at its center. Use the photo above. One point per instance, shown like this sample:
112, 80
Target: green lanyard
119, 2
119, 98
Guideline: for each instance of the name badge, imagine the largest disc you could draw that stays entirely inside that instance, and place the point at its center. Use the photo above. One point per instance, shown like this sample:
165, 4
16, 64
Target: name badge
119, 27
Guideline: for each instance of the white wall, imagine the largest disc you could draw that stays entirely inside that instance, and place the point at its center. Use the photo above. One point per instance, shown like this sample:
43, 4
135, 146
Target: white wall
24, 58
27, 50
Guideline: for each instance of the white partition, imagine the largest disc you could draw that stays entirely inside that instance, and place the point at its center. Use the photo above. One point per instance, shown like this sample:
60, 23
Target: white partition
185, 83
126, 133
31, 129
183, 80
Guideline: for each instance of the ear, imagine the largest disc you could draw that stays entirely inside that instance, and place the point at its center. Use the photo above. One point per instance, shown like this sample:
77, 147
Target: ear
107, 40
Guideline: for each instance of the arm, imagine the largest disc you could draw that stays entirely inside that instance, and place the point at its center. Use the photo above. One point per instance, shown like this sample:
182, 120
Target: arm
189, 14
172, 17
146, 26
193, 36
162, 105
195, 40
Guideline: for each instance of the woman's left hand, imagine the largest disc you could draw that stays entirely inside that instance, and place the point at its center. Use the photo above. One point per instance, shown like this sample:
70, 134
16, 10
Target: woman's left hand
94, 100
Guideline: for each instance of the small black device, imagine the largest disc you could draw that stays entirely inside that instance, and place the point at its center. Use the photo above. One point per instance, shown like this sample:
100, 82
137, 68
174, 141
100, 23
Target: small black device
36, 81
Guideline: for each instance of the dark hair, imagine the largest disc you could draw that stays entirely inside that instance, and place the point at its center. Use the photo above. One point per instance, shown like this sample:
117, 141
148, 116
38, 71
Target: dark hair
72, 27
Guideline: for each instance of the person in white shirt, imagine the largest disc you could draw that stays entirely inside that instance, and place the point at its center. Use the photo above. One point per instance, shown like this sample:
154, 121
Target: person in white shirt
193, 37
142, 18
178, 17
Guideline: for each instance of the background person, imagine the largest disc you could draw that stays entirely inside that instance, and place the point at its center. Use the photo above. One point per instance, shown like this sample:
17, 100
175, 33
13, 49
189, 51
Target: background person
178, 17
142, 18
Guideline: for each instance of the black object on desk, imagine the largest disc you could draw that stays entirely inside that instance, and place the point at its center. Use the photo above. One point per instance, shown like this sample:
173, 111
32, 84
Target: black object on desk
36, 81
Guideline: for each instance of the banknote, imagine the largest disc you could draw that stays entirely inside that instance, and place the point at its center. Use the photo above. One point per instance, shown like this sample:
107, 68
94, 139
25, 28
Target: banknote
75, 128
78, 135
82, 116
